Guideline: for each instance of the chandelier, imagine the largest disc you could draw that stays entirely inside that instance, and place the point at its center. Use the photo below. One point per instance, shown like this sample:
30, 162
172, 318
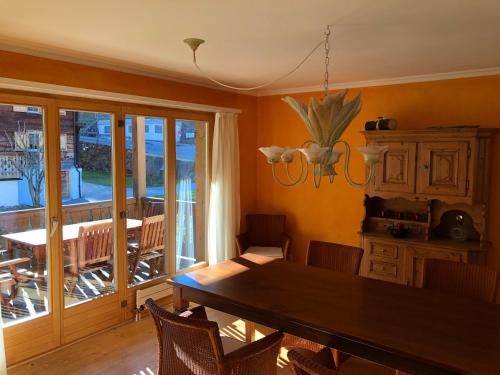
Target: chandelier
326, 120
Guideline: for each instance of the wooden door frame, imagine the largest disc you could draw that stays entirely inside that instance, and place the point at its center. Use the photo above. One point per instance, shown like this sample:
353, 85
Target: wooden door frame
107, 307
19, 337
19, 340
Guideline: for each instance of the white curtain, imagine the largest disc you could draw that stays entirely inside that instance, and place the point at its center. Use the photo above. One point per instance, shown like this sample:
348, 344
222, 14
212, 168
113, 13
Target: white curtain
185, 225
224, 209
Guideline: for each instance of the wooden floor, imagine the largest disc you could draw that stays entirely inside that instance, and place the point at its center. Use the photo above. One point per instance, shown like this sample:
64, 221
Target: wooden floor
130, 349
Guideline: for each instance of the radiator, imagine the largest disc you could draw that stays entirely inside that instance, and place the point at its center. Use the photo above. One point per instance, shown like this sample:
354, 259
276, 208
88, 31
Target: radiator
155, 292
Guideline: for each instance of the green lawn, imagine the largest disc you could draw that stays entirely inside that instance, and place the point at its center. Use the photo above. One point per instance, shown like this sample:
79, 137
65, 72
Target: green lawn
104, 178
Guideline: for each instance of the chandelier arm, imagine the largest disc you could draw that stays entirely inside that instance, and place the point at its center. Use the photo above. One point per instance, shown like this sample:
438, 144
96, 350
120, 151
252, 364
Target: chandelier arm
209, 77
288, 184
348, 178
317, 181
300, 178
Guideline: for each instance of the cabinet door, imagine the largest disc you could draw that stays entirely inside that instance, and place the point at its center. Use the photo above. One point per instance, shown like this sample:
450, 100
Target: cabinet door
442, 168
396, 171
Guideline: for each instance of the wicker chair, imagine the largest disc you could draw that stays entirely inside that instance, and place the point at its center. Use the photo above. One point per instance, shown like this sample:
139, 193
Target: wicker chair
464, 279
307, 362
265, 236
335, 257
191, 344
461, 279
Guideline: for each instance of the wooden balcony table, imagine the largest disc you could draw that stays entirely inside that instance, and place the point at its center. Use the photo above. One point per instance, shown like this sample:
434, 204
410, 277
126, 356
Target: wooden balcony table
415, 330
37, 240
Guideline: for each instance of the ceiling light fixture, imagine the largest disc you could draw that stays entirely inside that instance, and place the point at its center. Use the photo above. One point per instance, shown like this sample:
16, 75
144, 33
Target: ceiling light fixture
326, 121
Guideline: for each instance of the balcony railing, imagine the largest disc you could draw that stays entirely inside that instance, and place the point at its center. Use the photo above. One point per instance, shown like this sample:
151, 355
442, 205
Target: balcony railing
9, 162
34, 218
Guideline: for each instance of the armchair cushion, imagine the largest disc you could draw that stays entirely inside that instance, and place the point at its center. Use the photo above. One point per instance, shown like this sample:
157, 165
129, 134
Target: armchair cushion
273, 252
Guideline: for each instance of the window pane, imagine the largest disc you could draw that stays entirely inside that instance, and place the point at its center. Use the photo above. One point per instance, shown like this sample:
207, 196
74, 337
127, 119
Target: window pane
190, 141
86, 174
146, 167
23, 236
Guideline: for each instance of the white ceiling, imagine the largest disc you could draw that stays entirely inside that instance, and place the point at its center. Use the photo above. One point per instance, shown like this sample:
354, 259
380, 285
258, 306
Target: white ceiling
249, 42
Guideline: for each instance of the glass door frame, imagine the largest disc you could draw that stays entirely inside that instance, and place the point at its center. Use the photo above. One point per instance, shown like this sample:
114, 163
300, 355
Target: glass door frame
52, 328
170, 115
104, 311
19, 339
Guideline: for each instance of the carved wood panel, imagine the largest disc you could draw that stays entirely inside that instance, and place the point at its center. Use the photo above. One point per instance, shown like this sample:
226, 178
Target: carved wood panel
396, 171
442, 168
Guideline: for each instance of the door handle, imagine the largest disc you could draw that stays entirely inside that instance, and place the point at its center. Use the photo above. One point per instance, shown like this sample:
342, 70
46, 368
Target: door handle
54, 223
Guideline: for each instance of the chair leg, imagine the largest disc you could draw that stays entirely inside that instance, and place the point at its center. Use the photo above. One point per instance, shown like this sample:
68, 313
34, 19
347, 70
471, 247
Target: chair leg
152, 267
13, 292
133, 269
5, 301
72, 284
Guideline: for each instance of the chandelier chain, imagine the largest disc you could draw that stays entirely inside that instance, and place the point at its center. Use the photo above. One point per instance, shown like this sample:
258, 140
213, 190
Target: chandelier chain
327, 57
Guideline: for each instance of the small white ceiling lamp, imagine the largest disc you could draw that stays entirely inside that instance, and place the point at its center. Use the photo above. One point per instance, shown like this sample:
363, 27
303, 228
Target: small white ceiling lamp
326, 120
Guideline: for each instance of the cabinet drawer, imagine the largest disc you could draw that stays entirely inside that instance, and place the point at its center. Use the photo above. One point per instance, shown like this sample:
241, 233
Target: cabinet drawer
383, 269
384, 250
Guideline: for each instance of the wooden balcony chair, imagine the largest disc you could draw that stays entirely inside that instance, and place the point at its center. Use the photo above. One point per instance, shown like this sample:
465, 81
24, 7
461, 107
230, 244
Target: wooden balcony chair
265, 235
307, 362
191, 344
94, 251
463, 279
153, 208
9, 278
149, 248
335, 257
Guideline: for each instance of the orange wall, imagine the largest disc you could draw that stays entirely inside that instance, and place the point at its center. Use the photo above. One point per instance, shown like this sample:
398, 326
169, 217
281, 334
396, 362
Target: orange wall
334, 212
19, 66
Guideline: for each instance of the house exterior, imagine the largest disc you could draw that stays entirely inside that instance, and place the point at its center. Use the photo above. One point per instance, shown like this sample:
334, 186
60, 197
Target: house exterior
21, 134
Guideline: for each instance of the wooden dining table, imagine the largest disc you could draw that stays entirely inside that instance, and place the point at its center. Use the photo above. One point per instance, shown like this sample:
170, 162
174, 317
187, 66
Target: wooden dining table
410, 329
36, 240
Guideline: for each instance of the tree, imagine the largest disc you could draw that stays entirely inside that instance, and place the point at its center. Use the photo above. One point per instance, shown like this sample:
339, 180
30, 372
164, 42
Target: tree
28, 145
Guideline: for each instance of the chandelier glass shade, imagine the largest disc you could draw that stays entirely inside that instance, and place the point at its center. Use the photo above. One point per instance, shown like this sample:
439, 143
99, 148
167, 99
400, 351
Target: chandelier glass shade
326, 121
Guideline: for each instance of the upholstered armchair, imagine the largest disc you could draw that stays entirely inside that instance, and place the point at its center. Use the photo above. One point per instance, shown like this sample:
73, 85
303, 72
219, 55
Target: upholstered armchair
265, 235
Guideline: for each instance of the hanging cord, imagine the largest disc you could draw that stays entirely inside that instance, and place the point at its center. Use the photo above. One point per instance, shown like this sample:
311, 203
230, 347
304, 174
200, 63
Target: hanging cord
323, 42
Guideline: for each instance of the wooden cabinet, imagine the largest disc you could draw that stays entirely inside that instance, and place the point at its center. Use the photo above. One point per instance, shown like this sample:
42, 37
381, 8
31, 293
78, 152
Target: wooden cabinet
401, 260
447, 164
396, 171
382, 260
424, 180
443, 168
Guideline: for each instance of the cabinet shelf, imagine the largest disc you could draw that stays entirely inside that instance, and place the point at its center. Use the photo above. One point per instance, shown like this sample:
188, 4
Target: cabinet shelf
403, 221
435, 243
